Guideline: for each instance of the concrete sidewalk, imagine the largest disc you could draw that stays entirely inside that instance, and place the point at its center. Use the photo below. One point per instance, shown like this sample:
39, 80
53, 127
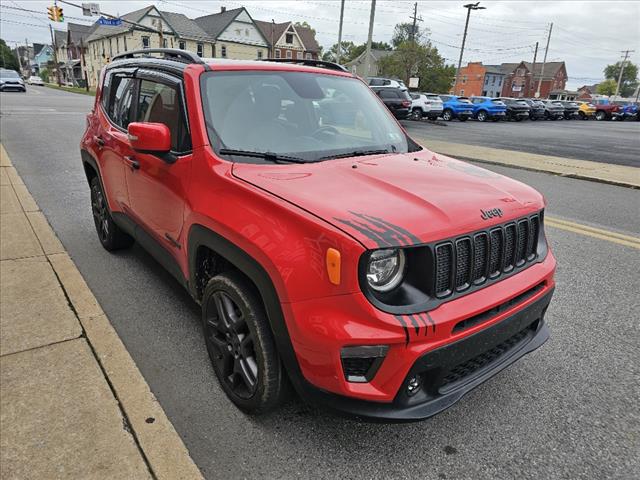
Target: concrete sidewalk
72, 401
583, 169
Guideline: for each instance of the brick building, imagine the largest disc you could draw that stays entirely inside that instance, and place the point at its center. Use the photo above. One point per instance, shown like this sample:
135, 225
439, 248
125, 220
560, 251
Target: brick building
470, 80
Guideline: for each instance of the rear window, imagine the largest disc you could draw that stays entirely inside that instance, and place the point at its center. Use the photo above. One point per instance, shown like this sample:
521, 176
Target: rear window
434, 97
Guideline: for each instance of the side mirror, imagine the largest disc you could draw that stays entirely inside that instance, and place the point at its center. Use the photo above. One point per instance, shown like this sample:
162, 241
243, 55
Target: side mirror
153, 138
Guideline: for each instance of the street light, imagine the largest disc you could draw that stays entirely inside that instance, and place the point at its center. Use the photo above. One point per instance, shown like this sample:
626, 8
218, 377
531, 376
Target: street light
469, 7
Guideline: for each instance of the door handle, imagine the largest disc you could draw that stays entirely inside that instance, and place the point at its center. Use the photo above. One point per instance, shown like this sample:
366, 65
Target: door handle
133, 163
99, 140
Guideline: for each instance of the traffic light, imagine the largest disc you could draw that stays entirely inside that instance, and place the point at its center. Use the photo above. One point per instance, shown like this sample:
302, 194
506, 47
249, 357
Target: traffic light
55, 14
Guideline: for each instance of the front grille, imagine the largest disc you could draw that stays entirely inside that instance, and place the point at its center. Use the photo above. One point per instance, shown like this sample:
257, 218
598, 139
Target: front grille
471, 259
471, 366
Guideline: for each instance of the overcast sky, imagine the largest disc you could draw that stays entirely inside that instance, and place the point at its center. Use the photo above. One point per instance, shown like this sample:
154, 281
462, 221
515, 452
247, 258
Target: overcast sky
587, 35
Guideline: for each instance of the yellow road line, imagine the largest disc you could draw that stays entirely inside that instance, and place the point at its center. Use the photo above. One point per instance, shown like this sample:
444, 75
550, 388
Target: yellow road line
613, 237
593, 229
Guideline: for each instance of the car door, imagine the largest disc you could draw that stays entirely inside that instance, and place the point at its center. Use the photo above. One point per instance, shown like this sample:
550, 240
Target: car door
112, 144
390, 98
158, 189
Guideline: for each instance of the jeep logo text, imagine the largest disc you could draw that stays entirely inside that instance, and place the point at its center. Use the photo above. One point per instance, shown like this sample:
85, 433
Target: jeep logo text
487, 214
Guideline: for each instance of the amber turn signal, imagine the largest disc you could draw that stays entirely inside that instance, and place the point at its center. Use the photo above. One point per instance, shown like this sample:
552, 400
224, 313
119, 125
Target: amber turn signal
333, 265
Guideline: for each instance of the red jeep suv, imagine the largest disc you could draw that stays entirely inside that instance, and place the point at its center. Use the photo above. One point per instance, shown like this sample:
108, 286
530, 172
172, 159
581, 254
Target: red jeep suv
326, 248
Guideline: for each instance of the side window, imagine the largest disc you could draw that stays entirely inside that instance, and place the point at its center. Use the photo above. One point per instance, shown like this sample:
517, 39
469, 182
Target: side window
120, 100
146, 42
182, 45
200, 49
388, 94
160, 103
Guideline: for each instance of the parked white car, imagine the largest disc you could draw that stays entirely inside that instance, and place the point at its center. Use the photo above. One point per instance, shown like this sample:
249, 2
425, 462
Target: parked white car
425, 105
386, 82
35, 80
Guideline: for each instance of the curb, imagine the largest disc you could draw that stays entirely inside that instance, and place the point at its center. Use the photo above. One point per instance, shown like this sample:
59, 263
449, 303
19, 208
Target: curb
159, 443
577, 176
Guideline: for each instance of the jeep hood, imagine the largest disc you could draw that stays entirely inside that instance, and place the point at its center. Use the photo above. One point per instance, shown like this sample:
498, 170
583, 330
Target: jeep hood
396, 199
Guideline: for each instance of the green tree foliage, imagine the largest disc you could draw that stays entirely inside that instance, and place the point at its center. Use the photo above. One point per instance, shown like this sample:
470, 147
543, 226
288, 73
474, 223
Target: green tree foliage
422, 60
608, 87
8, 58
304, 25
351, 50
629, 78
403, 33
44, 75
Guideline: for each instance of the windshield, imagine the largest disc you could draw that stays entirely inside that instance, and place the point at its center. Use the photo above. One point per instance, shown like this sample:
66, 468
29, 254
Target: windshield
303, 115
9, 74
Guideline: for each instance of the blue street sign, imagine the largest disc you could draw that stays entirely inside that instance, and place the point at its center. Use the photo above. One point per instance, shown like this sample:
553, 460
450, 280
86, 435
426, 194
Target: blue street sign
110, 22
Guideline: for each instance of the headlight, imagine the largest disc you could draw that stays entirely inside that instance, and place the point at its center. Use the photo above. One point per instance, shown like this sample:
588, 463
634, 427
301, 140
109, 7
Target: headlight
385, 269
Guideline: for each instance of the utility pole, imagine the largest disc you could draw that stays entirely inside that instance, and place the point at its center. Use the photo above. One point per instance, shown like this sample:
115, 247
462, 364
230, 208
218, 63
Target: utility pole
19, 58
544, 61
469, 7
415, 19
273, 29
624, 60
367, 53
83, 65
533, 71
160, 34
55, 55
339, 52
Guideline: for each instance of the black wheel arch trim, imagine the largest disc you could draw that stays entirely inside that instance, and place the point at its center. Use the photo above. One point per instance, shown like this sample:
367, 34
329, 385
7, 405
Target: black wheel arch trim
201, 236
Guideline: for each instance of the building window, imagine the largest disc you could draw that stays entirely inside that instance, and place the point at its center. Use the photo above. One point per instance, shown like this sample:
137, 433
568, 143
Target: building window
461, 92
308, 56
200, 49
117, 44
165, 44
464, 79
259, 53
146, 42
124, 40
182, 45
213, 51
223, 51
277, 53
299, 55
289, 54
289, 38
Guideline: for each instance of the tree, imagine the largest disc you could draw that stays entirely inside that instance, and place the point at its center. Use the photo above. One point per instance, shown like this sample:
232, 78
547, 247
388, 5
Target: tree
351, 51
412, 59
629, 77
608, 87
8, 58
305, 25
44, 75
403, 33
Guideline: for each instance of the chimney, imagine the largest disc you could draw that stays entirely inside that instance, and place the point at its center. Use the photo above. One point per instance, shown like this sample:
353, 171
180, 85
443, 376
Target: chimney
223, 9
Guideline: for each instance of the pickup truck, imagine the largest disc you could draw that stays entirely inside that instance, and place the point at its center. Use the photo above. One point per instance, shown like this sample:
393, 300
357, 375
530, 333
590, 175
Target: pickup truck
608, 111
456, 107
485, 108
425, 105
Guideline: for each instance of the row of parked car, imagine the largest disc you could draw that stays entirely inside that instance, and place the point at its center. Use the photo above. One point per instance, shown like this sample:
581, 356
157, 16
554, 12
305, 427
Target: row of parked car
405, 104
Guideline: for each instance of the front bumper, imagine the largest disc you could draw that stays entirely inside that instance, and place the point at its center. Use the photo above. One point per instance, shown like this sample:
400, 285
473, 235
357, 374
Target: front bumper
320, 328
450, 372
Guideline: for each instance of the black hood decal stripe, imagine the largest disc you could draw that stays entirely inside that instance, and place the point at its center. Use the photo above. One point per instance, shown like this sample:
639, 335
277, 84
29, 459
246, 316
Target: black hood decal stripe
383, 233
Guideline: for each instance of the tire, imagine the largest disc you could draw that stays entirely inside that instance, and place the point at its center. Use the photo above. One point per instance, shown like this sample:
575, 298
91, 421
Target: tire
240, 344
482, 116
110, 235
447, 115
600, 115
416, 114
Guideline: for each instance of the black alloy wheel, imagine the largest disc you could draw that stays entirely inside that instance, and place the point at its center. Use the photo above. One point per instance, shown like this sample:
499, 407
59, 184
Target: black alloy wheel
110, 235
240, 344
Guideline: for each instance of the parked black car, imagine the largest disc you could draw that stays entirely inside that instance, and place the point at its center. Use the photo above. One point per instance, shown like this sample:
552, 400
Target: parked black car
517, 108
571, 109
397, 100
536, 111
552, 110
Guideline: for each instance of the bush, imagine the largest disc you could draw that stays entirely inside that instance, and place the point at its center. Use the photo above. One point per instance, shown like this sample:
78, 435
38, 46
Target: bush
44, 75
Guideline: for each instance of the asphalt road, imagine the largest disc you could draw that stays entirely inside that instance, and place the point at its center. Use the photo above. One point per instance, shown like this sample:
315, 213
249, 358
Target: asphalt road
606, 141
568, 410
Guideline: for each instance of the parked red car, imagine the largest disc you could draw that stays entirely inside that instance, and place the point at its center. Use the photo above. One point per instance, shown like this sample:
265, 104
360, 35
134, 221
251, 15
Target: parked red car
608, 111
325, 246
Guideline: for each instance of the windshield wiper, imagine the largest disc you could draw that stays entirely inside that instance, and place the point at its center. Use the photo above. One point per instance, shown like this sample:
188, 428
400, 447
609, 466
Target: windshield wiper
268, 156
355, 153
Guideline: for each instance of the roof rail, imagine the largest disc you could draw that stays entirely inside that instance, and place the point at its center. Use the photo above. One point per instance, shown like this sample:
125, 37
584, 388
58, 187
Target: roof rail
169, 54
308, 62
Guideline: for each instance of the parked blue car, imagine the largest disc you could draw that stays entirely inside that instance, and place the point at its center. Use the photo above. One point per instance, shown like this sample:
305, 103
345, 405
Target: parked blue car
487, 108
629, 111
456, 107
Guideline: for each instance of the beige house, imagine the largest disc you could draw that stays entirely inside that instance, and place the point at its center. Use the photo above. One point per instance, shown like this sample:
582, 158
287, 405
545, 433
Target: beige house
235, 35
287, 40
178, 31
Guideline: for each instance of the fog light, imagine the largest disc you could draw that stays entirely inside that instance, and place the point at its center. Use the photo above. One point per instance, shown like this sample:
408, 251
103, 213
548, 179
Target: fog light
413, 386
